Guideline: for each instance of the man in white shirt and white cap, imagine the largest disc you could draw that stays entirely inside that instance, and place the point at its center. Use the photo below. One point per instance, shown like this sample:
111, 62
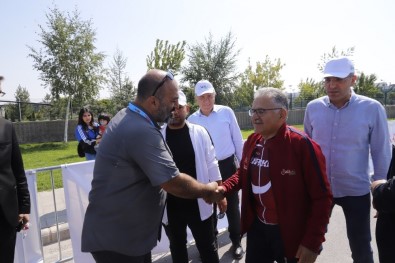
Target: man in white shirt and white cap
221, 123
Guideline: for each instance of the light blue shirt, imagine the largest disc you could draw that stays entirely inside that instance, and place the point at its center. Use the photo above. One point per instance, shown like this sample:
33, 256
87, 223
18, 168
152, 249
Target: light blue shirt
346, 135
224, 130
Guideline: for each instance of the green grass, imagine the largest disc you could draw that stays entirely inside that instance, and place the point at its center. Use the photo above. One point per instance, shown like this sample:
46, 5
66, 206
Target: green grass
41, 155
246, 133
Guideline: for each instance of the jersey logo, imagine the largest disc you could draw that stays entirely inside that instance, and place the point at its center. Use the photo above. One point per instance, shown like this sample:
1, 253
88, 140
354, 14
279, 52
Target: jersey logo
289, 172
259, 162
261, 189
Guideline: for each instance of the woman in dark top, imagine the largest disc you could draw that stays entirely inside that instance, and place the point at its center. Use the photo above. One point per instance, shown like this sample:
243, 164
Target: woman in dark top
86, 132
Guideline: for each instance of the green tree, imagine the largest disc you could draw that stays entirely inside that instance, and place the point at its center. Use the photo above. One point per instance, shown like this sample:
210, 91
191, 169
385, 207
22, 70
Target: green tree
365, 85
309, 90
215, 62
45, 111
265, 74
167, 56
121, 87
55, 108
68, 62
58, 109
102, 106
23, 109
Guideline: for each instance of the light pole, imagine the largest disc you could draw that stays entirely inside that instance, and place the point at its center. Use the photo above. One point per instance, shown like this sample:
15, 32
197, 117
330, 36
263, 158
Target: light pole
19, 106
385, 88
291, 90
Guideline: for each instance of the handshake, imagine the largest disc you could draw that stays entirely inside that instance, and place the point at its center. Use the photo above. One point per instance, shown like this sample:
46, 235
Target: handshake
214, 194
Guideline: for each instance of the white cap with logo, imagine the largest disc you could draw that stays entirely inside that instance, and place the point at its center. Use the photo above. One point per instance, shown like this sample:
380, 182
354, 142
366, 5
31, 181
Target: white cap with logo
339, 68
203, 87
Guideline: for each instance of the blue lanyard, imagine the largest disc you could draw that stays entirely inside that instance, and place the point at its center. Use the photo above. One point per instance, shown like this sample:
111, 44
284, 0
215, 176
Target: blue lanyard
134, 108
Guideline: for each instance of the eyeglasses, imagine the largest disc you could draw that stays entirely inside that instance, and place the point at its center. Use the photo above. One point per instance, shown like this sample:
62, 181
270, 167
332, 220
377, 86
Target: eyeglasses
169, 75
221, 215
261, 111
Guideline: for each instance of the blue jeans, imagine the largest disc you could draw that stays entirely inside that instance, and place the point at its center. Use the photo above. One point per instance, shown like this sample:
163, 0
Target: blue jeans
357, 213
90, 156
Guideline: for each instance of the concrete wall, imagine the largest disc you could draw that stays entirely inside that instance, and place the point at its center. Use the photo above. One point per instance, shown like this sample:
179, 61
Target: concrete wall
53, 131
44, 131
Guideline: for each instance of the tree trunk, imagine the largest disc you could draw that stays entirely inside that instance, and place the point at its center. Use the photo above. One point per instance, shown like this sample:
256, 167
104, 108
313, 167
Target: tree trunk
66, 123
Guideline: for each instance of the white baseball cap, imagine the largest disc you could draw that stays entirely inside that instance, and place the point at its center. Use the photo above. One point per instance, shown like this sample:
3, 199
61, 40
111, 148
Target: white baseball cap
339, 67
182, 99
203, 87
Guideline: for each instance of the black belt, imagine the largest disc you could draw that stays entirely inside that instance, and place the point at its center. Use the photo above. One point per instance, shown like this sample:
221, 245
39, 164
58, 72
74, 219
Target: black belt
230, 158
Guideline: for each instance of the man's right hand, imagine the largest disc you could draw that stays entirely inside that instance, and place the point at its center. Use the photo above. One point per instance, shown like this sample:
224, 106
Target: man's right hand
185, 186
215, 196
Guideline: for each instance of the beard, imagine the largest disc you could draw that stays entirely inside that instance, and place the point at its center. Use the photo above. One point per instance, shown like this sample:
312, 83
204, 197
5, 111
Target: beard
164, 113
176, 122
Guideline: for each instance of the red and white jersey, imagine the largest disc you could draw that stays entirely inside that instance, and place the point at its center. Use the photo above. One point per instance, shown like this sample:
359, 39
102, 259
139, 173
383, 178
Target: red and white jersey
265, 205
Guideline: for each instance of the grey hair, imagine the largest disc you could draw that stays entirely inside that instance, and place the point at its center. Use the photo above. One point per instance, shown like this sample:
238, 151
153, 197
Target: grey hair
278, 97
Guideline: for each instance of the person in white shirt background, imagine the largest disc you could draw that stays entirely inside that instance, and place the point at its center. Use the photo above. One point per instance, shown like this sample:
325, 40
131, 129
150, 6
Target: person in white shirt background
194, 154
221, 123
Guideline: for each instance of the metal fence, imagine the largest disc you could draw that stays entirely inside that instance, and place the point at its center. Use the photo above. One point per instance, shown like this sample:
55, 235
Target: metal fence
50, 237
53, 131
298, 102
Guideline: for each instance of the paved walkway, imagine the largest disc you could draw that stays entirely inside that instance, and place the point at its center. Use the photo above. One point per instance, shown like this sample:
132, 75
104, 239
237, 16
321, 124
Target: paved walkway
46, 211
336, 248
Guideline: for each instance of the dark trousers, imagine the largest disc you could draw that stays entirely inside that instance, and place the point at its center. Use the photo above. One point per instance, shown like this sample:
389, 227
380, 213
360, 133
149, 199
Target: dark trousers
7, 240
264, 244
385, 237
202, 231
357, 213
227, 168
111, 257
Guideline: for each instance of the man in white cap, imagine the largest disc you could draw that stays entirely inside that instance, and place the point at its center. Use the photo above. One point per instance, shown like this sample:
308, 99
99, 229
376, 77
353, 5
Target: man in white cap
221, 123
348, 126
194, 154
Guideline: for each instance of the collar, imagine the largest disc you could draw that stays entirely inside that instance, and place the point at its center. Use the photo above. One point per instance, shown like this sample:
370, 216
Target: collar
132, 107
350, 101
215, 109
280, 134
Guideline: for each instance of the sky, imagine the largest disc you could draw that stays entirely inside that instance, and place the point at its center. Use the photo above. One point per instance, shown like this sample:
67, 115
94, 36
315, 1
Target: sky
296, 32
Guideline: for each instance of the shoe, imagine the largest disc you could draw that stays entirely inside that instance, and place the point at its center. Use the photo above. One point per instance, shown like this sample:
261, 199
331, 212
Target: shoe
238, 252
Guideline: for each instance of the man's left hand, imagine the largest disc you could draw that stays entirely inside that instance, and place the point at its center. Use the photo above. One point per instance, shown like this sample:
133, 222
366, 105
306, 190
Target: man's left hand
377, 183
25, 218
222, 205
305, 255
